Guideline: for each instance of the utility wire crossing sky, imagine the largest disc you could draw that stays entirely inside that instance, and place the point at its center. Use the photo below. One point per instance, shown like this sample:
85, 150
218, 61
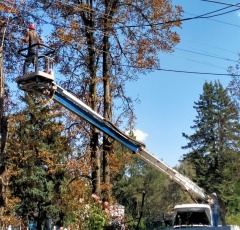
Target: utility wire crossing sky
167, 95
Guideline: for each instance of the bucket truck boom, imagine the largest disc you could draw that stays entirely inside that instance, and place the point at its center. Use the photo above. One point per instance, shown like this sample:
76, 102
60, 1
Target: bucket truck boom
40, 81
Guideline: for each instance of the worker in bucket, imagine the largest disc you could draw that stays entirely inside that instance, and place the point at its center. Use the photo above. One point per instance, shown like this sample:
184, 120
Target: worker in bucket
32, 38
213, 202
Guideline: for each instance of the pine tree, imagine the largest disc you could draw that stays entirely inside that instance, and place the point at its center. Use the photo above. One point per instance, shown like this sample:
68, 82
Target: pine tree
37, 157
214, 145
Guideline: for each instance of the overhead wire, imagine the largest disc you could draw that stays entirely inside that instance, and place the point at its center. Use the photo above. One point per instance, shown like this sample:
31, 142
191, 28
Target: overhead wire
206, 44
227, 23
106, 16
207, 52
183, 71
223, 3
203, 16
91, 10
194, 17
160, 69
192, 60
206, 55
153, 24
23, 27
196, 61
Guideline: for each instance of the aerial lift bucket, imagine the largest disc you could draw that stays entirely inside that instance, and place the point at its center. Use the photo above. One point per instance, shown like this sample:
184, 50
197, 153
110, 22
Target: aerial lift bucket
41, 75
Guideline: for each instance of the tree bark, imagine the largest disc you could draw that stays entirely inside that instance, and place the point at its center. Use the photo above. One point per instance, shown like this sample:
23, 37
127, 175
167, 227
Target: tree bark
3, 131
95, 158
107, 145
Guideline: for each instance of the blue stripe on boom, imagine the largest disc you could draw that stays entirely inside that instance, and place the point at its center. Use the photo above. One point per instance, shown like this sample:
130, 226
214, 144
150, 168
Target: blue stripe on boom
94, 121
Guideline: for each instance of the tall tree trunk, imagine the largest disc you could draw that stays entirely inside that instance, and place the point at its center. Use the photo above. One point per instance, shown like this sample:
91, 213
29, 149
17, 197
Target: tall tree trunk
107, 145
89, 21
96, 181
3, 131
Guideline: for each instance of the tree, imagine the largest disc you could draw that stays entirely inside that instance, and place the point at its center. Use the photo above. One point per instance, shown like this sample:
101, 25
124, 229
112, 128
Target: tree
161, 194
37, 157
233, 88
214, 145
89, 35
7, 14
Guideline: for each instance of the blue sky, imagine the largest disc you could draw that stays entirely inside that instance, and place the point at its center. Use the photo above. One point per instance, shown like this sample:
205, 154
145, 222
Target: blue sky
167, 98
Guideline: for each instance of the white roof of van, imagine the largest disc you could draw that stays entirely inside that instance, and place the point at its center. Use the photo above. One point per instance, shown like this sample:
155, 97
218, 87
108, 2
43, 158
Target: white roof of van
191, 206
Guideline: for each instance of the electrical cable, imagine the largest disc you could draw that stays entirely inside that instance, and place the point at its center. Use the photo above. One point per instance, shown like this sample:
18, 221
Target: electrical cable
199, 16
201, 50
175, 48
203, 16
191, 52
223, 3
202, 43
155, 24
194, 17
196, 61
227, 23
183, 71
206, 55
170, 70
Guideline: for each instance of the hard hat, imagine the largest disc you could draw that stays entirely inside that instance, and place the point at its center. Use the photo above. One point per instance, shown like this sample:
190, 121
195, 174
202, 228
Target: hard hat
31, 26
214, 194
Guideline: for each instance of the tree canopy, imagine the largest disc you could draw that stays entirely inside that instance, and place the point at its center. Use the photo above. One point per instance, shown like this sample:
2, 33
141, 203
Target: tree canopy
214, 145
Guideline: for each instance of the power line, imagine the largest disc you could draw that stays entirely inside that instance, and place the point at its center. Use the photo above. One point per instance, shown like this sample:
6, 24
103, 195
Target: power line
223, 3
227, 23
190, 51
202, 50
189, 59
203, 16
211, 55
175, 48
196, 61
203, 43
106, 16
103, 15
183, 71
206, 55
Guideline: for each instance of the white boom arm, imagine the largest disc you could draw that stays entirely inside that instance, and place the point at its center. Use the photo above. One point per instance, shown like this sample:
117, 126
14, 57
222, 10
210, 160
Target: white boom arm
173, 174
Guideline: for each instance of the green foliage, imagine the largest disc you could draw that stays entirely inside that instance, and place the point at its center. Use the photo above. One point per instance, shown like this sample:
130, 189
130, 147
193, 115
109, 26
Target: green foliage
214, 145
233, 219
96, 218
37, 145
161, 194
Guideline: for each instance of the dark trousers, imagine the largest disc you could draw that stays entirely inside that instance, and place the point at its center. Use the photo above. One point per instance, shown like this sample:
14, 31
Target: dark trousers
30, 59
215, 220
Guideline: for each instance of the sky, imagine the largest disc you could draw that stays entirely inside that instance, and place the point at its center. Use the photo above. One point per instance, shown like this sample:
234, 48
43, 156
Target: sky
166, 103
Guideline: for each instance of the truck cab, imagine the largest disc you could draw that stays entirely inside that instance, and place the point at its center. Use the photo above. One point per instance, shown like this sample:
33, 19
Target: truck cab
192, 216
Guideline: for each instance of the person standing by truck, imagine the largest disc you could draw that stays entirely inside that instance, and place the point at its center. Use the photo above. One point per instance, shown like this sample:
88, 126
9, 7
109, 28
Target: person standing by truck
213, 202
